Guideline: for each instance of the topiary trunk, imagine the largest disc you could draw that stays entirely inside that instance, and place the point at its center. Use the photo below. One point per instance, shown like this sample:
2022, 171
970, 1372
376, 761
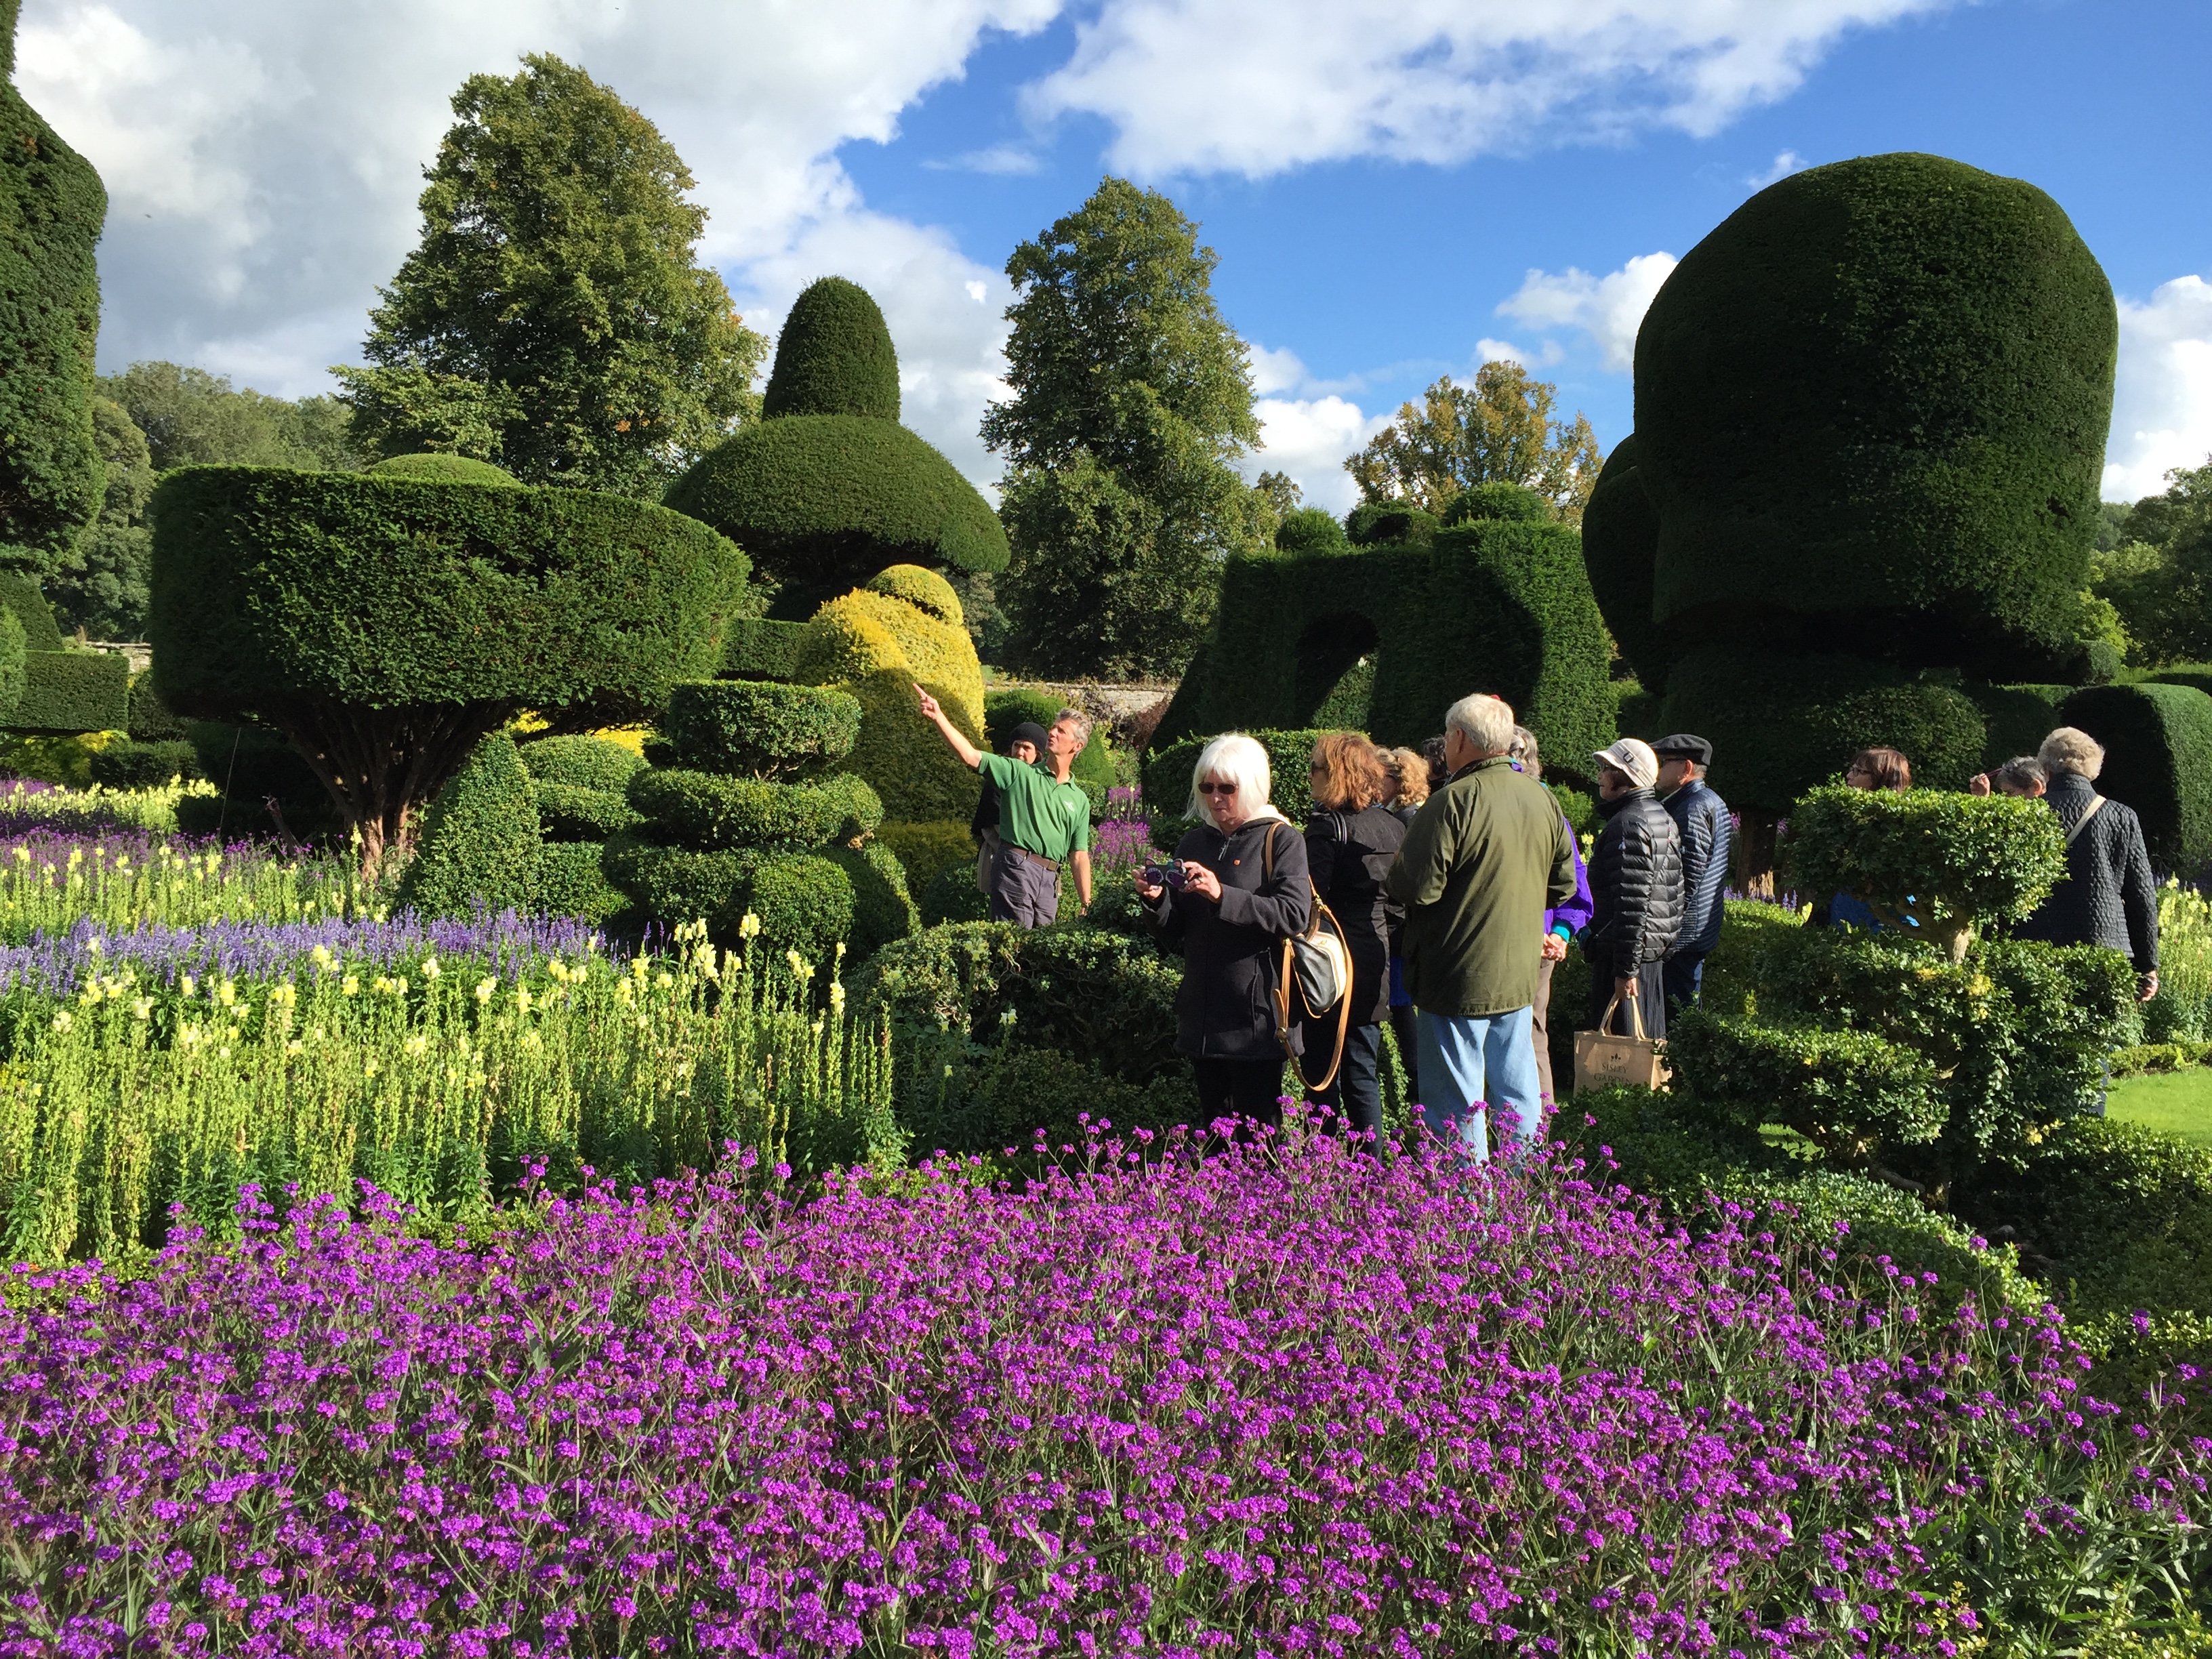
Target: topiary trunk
383, 766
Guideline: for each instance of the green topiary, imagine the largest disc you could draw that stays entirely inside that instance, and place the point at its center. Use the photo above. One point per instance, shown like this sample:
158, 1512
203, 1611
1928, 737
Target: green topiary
1498, 500
1005, 710
19, 593
759, 649
135, 765
761, 730
72, 691
2015, 718
2158, 760
1307, 532
1382, 524
1620, 551
1493, 606
1949, 860
1849, 1092
834, 357
925, 850
1781, 724
11, 664
481, 839
569, 813
571, 883
676, 884
707, 810
444, 469
1877, 396
882, 907
951, 896
52, 210
581, 762
385, 624
151, 720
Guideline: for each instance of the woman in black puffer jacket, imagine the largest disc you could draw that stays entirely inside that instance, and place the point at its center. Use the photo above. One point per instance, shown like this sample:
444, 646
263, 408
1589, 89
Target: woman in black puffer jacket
1236, 888
1352, 841
1636, 879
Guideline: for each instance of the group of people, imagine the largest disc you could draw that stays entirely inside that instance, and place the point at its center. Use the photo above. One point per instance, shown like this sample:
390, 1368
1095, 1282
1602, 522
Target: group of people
1458, 884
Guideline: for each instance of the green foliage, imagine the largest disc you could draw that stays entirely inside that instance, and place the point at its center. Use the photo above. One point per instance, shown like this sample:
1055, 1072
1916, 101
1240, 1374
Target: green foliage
883, 909
20, 595
2015, 718
553, 316
134, 765
151, 720
1501, 605
1306, 532
1953, 860
756, 649
52, 210
926, 850
2158, 760
572, 812
571, 883
73, 691
760, 729
1620, 551
1829, 420
1168, 772
11, 664
101, 585
1849, 1092
1390, 524
190, 417
436, 468
834, 357
709, 811
480, 845
1004, 710
580, 762
1781, 724
1132, 402
952, 896
811, 902
823, 502
1496, 434
1498, 499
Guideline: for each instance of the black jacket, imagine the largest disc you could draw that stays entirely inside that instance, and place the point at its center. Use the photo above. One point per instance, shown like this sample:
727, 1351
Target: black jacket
2108, 895
1225, 1008
1702, 816
1636, 879
1349, 854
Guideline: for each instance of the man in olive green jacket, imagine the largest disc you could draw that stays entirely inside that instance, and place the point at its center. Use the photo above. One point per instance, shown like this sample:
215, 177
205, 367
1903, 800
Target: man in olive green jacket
1486, 856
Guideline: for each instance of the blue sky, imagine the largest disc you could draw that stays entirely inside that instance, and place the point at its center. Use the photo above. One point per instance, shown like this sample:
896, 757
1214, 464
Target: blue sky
1378, 180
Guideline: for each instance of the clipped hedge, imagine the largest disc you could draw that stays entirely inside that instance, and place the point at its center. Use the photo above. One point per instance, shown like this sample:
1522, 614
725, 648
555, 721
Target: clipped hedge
1310, 532
951, 894
1877, 394
569, 813
1496, 498
73, 691
1781, 724
1620, 552
811, 902
2015, 718
20, 594
1849, 1092
151, 721
134, 765
710, 811
758, 648
1384, 523
444, 469
1168, 774
759, 728
2158, 760
571, 883
925, 850
581, 763
11, 664
1491, 605
834, 356
481, 839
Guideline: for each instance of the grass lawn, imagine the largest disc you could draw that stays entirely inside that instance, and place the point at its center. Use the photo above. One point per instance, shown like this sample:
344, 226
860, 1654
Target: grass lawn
2179, 1103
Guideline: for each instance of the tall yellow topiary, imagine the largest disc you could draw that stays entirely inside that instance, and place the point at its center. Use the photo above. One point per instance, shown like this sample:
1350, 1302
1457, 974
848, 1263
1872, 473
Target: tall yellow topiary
903, 628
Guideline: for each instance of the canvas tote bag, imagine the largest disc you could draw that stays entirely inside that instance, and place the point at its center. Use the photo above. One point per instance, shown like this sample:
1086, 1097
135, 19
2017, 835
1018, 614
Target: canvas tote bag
1319, 965
1601, 1058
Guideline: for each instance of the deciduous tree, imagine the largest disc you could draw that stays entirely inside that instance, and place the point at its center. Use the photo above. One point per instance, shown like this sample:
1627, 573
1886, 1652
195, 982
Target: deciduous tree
1500, 430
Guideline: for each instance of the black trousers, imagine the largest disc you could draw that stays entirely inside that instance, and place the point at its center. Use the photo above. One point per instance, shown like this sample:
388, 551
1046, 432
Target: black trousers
1239, 1088
1650, 998
1354, 1094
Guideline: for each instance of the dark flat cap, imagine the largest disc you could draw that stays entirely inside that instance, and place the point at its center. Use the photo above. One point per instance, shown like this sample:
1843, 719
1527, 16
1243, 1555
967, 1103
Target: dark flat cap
1683, 746
1028, 731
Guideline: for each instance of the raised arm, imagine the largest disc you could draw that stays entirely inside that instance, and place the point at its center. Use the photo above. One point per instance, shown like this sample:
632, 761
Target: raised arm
931, 710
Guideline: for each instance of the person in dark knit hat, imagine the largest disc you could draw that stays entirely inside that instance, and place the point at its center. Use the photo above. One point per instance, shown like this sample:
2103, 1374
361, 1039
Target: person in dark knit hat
1708, 838
1024, 744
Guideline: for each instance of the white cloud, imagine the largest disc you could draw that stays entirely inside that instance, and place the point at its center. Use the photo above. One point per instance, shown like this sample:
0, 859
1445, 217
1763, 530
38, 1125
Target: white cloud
1259, 87
1308, 439
1609, 309
2162, 404
1786, 162
264, 158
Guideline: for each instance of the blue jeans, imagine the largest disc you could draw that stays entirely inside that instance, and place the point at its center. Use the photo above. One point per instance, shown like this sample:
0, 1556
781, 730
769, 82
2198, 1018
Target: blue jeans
1469, 1066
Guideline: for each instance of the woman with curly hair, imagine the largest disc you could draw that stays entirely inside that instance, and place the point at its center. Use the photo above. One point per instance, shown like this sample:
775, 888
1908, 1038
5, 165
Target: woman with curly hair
1352, 839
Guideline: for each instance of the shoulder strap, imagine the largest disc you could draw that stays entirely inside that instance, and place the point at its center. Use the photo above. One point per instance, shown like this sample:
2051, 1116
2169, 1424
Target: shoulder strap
2095, 802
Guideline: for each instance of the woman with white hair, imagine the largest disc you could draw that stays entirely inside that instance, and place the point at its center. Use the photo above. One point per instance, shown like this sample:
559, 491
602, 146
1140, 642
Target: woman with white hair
2108, 895
1237, 888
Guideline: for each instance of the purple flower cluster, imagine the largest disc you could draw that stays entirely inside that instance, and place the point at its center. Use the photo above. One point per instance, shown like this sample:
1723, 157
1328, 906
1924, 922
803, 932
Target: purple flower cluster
1284, 1400
504, 944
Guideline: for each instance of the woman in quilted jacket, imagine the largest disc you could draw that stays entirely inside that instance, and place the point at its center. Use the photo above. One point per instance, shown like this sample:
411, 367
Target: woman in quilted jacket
1636, 889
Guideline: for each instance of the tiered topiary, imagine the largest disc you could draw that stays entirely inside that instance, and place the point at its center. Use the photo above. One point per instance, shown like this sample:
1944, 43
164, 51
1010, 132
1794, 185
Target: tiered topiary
827, 487
746, 819
1920, 1050
2158, 759
1870, 412
579, 783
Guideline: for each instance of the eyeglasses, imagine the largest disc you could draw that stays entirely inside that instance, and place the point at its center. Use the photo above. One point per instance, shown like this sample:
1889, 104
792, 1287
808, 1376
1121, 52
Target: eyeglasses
1217, 788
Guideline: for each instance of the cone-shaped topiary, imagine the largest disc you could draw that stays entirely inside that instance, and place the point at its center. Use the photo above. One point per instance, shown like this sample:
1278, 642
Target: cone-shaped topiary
481, 839
828, 488
834, 357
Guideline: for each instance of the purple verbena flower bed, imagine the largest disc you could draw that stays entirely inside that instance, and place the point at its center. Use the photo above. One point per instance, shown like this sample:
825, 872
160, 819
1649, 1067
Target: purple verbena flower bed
1283, 1400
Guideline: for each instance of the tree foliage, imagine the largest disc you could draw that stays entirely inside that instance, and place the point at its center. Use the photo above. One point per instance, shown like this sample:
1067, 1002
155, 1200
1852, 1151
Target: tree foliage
553, 318
1133, 397
100, 583
192, 418
2157, 577
1500, 430
52, 209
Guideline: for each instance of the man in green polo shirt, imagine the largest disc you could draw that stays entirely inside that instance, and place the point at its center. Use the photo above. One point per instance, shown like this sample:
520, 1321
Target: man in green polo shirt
1044, 821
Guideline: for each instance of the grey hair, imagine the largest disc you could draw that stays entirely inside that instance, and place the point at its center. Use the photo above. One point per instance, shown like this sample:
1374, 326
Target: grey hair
2021, 772
1079, 721
2069, 749
1232, 757
1483, 720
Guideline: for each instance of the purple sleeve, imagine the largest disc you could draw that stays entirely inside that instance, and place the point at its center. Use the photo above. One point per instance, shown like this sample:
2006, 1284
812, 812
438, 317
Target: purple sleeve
1574, 915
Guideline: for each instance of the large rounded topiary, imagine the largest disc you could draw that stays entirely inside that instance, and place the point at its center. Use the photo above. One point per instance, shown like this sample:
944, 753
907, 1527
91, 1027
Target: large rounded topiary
828, 488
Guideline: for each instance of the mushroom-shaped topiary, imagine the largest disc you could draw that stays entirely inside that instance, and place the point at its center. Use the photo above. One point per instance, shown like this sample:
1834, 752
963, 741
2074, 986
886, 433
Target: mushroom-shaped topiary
828, 488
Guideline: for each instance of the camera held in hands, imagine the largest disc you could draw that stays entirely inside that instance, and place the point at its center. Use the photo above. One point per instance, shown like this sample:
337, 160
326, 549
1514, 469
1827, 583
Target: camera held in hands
1166, 875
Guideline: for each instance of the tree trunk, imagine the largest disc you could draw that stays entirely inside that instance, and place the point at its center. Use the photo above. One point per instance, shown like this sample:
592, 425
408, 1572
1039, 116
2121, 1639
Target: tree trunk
382, 765
1754, 851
